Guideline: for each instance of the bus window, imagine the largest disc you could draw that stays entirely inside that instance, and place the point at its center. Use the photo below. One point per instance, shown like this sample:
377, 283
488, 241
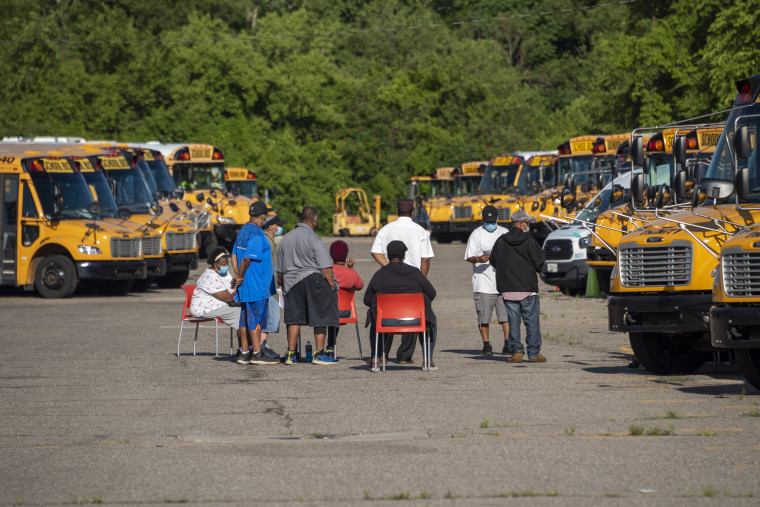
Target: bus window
10, 201
28, 208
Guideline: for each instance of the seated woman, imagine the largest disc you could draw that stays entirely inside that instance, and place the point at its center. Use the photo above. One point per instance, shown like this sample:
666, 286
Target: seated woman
348, 280
214, 292
399, 278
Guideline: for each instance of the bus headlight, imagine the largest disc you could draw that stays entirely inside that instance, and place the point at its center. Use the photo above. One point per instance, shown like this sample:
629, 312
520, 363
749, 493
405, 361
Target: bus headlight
225, 220
89, 250
584, 242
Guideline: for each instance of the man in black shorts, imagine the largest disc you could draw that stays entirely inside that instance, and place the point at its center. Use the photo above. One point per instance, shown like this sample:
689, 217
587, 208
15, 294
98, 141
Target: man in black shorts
304, 271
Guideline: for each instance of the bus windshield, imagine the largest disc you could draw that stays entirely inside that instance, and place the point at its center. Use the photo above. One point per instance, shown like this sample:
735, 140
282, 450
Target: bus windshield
497, 179
132, 191
164, 182
574, 165
199, 176
246, 188
599, 205
101, 192
76, 194
467, 185
149, 179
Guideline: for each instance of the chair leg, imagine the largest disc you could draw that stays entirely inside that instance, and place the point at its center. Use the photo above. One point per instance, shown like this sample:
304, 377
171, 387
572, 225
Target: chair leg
195, 341
374, 359
182, 325
216, 325
230, 341
383, 351
359, 341
424, 353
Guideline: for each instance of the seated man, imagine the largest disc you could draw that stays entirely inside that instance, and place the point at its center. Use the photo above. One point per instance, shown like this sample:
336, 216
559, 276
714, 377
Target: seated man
399, 278
214, 292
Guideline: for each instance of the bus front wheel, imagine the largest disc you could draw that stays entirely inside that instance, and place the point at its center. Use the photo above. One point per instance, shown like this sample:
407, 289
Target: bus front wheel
749, 364
173, 279
664, 354
56, 277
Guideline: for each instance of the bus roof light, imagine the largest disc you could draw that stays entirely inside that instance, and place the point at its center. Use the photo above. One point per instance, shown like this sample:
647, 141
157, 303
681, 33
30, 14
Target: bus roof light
217, 155
36, 165
251, 176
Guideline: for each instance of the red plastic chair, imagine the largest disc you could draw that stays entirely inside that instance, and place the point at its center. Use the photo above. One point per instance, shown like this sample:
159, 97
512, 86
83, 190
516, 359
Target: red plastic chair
347, 315
402, 314
186, 317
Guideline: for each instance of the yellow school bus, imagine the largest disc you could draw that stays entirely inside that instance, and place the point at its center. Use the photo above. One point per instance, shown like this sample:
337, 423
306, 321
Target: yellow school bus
198, 170
735, 313
452, 217
53, 236
241, 181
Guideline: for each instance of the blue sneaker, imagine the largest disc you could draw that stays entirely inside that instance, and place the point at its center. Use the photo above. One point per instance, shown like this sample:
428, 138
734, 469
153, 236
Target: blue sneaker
324, 359
291, 357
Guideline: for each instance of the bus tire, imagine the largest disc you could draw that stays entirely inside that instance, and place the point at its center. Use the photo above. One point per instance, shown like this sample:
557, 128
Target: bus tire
444, 237
56, 277
205, 250
143, 284
115, 287
344, 232
603, 277
664, 354
173, 279
749, 364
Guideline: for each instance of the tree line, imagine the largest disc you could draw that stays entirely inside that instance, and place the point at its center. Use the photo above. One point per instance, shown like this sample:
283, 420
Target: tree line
359, 99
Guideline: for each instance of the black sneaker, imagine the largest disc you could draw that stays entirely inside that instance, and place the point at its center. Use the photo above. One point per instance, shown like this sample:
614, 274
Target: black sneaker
269, 352
505, 350
487, 350
243, 357
260, 358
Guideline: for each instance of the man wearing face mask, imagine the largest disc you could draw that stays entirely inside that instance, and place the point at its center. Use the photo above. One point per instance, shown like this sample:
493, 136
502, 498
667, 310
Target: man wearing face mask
272, 228
487, 298
518, 258
214, 291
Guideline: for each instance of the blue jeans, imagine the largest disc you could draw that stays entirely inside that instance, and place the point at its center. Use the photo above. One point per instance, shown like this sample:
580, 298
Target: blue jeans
273, 316
528, 310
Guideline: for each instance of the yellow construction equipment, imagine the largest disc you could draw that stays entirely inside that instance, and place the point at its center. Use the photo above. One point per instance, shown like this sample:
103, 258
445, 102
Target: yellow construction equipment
354, 217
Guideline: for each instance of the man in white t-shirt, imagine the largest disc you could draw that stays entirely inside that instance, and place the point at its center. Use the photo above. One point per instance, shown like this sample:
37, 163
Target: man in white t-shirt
484, 291
418, 254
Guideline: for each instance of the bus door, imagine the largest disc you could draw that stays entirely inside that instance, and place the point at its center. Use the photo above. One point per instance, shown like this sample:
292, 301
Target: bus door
8, 227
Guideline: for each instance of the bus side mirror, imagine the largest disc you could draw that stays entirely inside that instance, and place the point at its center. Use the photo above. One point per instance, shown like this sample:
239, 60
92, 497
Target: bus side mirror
57, 200
718, 189
189, 205
679, 149
210, 201
200, 197
568, 198
57, 191
114, 186
95, 208
534, 206
741, 142
637, 151
679, 184
173, 207
124, 213
617, 194
741, 183
57, 210
699, 196
647, 165
638, 189
664, 195
543, 205
179, 193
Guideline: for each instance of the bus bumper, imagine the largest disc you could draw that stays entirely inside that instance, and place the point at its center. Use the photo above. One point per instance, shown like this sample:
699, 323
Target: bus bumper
463, 226
569, 274
111, 270
226, 234
659, 313
735, 327
181, 261
156, 267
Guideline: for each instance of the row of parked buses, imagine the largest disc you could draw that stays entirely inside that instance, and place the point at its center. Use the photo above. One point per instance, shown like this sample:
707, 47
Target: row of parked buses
113, 216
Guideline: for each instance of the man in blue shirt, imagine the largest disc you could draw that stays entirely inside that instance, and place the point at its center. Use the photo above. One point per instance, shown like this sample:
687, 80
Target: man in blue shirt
252, 256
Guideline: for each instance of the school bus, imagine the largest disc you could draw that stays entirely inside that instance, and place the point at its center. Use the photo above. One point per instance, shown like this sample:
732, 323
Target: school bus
241, 181
437, 185
735, 313
453, 217
53, 235
198, 170
662, 285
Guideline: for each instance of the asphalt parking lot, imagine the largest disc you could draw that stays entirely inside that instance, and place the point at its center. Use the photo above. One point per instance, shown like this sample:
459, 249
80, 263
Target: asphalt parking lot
97, 408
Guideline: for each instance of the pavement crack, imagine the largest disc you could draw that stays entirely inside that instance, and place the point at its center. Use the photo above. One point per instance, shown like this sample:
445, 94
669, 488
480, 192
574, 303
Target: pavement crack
279, 410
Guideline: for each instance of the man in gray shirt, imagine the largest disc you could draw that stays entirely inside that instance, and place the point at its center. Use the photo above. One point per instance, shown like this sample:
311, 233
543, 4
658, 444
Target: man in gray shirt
304, 271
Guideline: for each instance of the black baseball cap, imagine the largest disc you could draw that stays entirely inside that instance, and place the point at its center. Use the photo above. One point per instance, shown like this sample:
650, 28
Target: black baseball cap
275, 220
259, 208
490, 214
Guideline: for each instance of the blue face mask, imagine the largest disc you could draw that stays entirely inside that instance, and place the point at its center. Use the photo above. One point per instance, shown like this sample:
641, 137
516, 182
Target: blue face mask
279, 231
490, 227
223, 270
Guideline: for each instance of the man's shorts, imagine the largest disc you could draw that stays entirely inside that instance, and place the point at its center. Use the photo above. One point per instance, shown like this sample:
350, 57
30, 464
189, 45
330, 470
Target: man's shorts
253, 315
273, 316
312, 302
484, 305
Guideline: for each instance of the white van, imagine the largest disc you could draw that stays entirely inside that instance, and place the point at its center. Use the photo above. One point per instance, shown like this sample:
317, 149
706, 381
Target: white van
565, 248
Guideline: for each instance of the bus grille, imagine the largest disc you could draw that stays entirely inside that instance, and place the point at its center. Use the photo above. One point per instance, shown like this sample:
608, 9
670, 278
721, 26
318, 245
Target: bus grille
201, 221
741, 273
504, 214
151, 246
558, 249
180, 241
655, 266
462, 212
126, 247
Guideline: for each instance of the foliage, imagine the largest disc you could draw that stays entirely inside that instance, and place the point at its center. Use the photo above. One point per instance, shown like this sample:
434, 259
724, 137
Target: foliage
369, 107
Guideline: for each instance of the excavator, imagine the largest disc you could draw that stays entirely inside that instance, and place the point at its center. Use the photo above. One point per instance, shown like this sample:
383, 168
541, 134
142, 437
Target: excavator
353, 216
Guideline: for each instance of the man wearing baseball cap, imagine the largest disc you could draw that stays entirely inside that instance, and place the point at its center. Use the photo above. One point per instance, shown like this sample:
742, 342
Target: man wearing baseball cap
517, 257
479, 246
252, 258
